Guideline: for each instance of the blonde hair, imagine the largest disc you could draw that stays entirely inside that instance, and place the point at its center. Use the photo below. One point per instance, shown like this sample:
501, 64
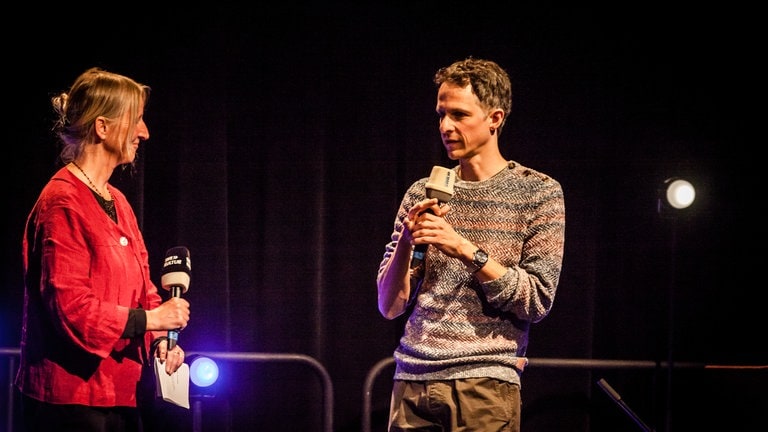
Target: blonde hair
95, 93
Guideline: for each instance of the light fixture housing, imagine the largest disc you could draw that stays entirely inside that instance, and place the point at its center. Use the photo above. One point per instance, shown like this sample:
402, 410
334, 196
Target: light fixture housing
675, 194
203, 374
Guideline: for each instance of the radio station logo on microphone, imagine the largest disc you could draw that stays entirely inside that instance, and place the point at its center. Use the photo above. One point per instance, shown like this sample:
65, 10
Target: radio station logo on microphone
175, 260
448, 178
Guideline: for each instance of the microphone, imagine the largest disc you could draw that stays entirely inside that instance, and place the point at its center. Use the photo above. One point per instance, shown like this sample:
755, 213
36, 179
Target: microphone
440, 186
175, 278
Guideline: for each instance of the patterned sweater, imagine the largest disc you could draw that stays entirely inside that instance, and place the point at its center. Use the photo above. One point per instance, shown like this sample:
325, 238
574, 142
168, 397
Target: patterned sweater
460, 328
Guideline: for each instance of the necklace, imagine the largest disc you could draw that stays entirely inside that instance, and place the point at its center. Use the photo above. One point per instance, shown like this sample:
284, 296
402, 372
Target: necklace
93, 186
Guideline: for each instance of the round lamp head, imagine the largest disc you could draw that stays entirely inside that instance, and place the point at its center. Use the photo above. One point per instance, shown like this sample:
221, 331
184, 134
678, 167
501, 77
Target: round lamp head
203, 371
680, 193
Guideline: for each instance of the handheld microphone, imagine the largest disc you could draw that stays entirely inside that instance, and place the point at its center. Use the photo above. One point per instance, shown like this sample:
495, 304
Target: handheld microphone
175, 278
440, 186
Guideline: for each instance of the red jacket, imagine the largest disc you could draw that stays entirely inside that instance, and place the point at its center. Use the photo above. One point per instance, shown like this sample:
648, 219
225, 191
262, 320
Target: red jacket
82, 273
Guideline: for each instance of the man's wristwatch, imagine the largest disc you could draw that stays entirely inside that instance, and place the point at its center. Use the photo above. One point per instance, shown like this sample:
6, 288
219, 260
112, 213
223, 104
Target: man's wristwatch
478, 260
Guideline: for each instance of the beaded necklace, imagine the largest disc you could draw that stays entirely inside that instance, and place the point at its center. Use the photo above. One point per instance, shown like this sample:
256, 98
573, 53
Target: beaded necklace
106, 204
93, 186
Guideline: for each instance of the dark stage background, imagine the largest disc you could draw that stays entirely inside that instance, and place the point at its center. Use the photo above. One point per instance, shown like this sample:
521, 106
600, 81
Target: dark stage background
283, 137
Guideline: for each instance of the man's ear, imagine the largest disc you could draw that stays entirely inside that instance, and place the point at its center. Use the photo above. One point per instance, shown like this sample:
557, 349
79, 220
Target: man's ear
497, 116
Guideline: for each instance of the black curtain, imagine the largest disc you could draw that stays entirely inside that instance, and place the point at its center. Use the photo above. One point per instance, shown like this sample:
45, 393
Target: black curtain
282, 141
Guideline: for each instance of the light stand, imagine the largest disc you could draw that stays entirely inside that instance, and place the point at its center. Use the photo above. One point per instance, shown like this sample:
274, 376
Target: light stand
675, 196
203, 373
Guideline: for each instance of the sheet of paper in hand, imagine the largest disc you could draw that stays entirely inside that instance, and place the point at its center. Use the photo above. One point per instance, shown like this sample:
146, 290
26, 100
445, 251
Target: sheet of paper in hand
173, 388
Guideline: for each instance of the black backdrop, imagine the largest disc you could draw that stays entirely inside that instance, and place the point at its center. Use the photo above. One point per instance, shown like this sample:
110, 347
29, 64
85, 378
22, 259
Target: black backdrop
282, 138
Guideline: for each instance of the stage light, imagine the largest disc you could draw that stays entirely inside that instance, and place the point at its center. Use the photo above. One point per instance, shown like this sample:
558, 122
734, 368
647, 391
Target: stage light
203, 374
203, 371
680, 193
675, 195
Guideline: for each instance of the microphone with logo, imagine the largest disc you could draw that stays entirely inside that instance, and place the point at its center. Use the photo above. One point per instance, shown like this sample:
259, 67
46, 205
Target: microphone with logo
440, 186
175, 278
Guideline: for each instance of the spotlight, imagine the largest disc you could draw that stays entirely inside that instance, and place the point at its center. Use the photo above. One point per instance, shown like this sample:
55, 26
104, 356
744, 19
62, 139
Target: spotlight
675, 194
203, 373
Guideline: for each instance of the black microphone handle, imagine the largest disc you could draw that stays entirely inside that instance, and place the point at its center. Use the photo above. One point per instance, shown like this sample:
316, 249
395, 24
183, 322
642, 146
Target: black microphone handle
173, 335
420, 250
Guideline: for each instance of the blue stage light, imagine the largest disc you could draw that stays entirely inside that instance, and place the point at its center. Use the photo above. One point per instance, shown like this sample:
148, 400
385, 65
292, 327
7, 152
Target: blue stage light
203, 371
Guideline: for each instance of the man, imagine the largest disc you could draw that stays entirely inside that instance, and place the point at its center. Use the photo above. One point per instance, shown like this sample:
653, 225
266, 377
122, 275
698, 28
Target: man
492, 267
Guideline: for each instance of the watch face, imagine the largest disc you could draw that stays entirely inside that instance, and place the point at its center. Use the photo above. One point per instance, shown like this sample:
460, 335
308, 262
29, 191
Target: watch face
481, 257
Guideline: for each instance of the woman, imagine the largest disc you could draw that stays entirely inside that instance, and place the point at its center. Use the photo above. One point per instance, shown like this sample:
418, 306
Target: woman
91, 312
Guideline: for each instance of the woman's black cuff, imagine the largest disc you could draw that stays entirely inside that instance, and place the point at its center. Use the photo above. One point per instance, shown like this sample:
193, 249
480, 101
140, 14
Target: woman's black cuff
137, 323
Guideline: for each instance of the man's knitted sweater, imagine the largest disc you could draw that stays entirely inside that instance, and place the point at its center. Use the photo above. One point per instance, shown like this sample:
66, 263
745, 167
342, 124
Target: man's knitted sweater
460, 328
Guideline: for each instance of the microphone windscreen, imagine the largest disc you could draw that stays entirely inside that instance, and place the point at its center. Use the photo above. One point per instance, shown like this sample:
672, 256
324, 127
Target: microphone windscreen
177, 267
440, 184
